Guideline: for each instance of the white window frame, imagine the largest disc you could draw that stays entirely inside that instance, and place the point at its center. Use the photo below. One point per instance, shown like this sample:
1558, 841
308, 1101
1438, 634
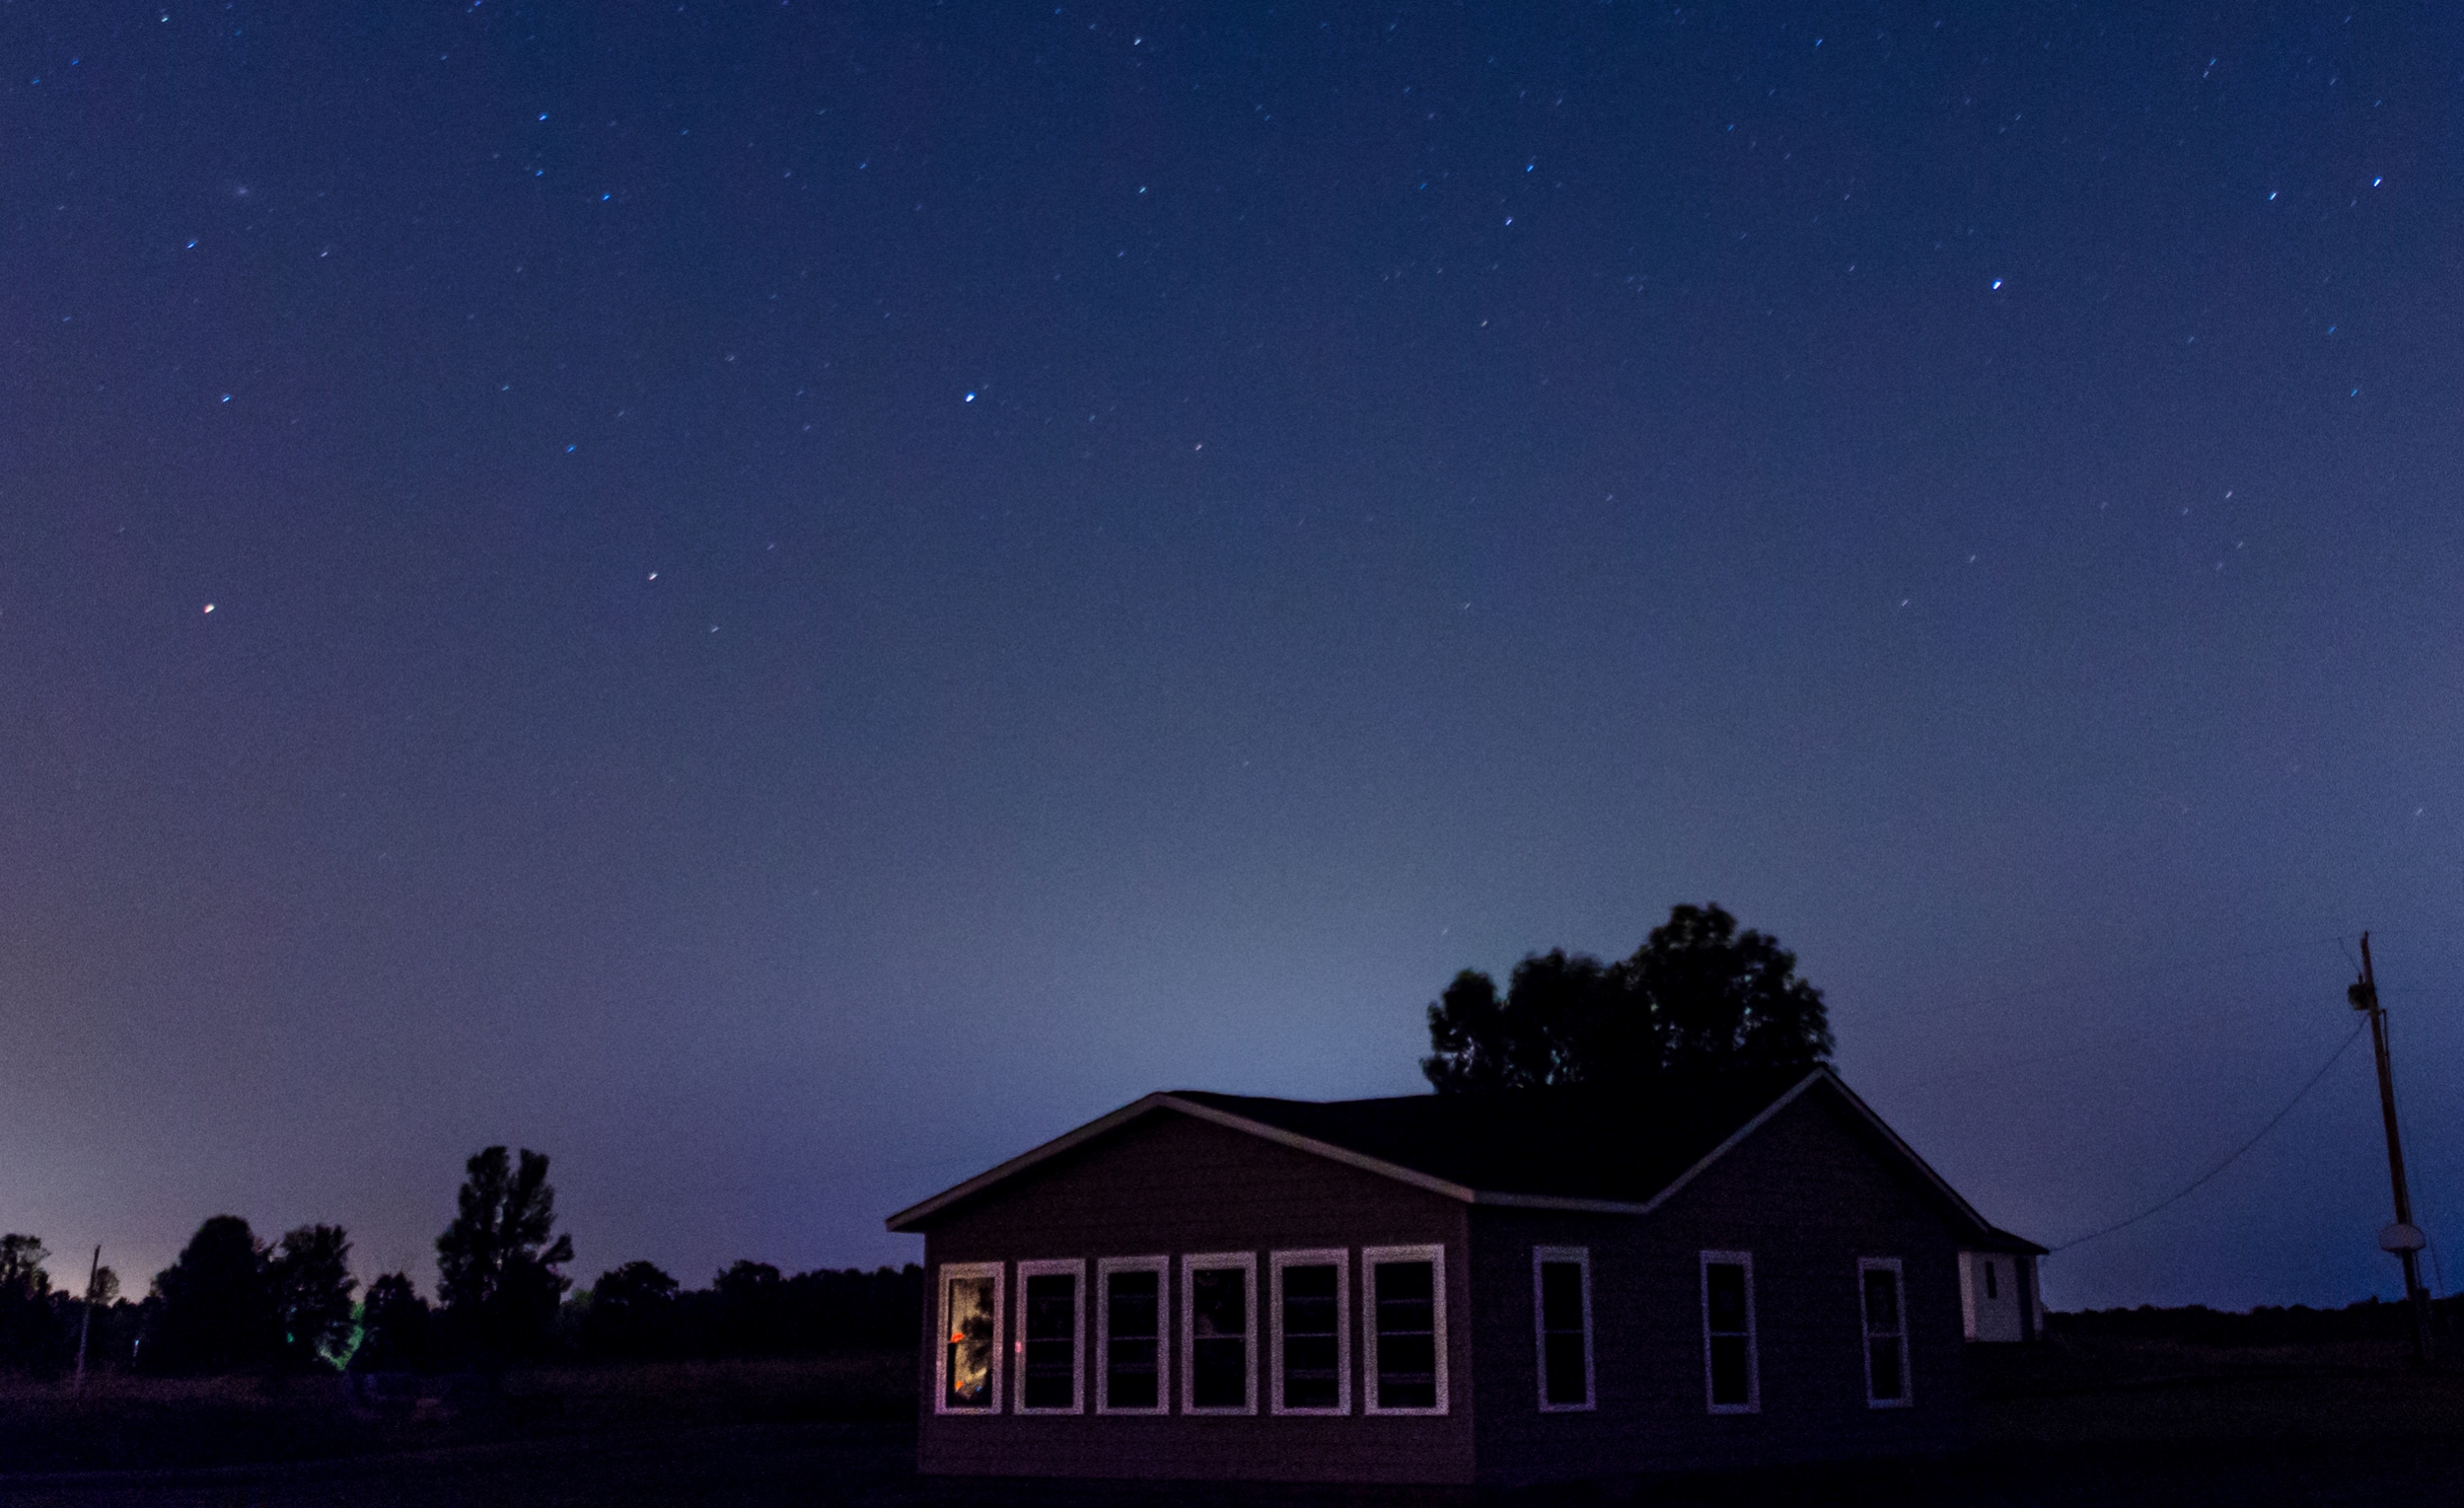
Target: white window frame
1370, 1256
1753, 1338
1579, 1257
1339, 1259
1102, 1369
1865, 1336
941, 1335
1208, 1262
1070, 1266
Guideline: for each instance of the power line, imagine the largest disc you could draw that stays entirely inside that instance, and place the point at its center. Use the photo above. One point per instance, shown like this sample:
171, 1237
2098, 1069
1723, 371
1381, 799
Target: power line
2087, 981
2231, 1157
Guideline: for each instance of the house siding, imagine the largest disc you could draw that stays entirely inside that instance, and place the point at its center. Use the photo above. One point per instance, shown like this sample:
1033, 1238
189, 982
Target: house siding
1808, 1193
1169, 1183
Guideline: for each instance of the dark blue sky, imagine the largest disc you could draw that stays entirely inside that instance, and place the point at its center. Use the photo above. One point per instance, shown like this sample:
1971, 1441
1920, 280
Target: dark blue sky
805, 595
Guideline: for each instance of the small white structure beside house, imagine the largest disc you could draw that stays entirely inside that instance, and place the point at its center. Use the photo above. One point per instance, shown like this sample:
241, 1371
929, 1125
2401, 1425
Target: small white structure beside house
1997, 1294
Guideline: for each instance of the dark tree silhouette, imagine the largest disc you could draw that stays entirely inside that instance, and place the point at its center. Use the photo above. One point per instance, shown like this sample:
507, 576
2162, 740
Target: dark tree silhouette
217, 1314
631, 1313
29, 1329
308, 1279
1698, 997
393, 1327
496, 1263
751, 1315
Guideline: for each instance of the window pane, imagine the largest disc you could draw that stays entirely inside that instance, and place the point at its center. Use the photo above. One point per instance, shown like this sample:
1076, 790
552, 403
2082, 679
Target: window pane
1732, 1379
1560, 1295
1725, 1283
1311, 1353
1883, 1353
1219, 1349
1990, 1290
1564, 1351
1049, 1326
1129, 1368
1882, 1301
1406, 1334
969, 1344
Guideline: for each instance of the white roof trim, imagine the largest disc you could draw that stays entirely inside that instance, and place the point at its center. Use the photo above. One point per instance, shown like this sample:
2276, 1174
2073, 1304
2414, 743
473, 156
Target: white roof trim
907, 1218
1734, 1137
1026, 1160
1908, 1152
1325, 1149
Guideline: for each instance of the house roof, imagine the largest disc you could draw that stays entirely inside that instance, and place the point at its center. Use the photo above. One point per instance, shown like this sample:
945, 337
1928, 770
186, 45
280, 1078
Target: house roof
1613, 1154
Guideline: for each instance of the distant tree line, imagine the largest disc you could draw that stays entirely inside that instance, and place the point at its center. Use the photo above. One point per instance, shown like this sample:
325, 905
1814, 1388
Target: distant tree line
2372, 1319
232, 1301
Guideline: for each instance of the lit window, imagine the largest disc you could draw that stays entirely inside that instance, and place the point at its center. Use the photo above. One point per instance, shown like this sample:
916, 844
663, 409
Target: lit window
1886, 1333
1130, 1334
968, 1360
1312, 1333
1403, 1291
1219, 1344
1561, 1313
1049, 1332
1730, 1375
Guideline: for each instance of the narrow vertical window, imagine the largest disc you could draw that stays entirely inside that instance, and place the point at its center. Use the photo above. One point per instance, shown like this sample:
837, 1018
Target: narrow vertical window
1218, 1355
968, 1358
1886, 1333
1312, 1333
1991, 1291
1130, 1339
1730, 1372
1562, 1307
1049, 1332
1403, 1291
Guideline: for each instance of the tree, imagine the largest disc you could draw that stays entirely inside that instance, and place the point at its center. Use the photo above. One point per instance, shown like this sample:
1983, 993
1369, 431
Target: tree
30, 1333
496, 1263
632, 1313
1698, 997
309, 1283
393, 1327
217, 1314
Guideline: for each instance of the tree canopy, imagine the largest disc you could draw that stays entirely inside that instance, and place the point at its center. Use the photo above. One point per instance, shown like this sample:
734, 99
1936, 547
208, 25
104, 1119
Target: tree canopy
216, 1313
496, 1263
1697, 997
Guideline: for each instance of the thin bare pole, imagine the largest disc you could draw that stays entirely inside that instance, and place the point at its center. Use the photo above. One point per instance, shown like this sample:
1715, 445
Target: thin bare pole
84, 1328
2403, 1238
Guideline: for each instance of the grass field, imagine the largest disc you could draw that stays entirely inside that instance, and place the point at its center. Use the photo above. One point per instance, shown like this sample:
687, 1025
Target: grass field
2069, 1423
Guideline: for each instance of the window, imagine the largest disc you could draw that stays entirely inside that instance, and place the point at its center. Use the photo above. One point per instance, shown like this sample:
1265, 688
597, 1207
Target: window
1219, 1344
1886, 1333
1991, 1290
1561, 1313
1049, 1330
1312, 1333
967, 1370
1129, 1334
1730, 1378
1403, 1292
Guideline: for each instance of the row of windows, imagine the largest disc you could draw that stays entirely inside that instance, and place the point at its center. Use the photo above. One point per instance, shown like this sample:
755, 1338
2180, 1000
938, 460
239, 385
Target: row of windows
1309, 1334
1308, 1322
1732, 1381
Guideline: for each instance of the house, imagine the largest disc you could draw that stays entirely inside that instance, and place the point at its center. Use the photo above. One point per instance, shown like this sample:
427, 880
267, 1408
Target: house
1475, 1289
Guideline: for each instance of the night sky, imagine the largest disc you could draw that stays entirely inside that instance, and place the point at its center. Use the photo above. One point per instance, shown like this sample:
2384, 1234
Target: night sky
783, 600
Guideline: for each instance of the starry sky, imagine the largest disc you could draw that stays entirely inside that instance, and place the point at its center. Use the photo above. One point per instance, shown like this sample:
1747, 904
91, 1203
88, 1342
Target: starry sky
783, 601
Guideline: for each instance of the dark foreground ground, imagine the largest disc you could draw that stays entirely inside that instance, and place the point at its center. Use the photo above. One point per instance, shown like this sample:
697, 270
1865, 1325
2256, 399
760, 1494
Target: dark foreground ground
2104, 1425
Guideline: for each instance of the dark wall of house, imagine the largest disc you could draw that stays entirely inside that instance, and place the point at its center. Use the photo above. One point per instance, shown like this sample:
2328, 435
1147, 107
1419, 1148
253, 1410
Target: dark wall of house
1808, 1195
1172, 1185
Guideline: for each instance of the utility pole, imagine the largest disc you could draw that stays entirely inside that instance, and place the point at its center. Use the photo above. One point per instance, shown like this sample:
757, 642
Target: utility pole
84, 1328
2403, 1238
